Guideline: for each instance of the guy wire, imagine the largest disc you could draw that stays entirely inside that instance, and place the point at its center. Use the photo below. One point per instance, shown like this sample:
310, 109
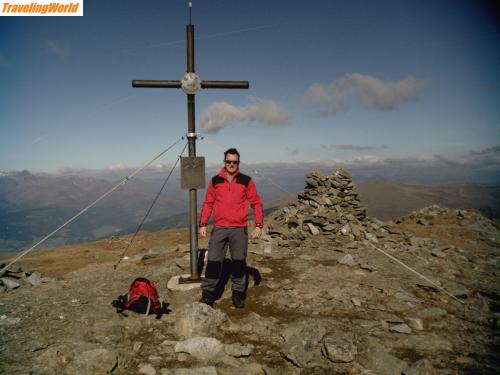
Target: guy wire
150, 208
122, 182
417, 273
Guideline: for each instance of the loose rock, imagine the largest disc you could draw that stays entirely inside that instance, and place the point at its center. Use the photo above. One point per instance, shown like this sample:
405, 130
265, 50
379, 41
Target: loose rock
204, 348
340, 347
147, 369
348, 260
198, 319
302, 340
401, 328
9, 283
421, 367
374, 357
237, 350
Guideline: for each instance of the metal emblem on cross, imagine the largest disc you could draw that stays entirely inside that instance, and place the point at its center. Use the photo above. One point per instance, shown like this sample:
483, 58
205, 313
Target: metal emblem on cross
191, 84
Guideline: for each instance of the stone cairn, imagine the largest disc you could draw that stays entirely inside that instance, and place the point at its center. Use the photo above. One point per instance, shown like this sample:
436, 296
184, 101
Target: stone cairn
329, 205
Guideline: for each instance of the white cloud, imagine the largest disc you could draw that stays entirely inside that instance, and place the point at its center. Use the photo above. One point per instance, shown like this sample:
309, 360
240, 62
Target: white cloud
120, 166
480, 167
368, 90
368, 159
485, 159
221, 115
56, 48
348, 147
489, 157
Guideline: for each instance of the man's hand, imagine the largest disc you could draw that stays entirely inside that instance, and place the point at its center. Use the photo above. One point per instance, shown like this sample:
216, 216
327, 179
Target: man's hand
256, 232
203, 231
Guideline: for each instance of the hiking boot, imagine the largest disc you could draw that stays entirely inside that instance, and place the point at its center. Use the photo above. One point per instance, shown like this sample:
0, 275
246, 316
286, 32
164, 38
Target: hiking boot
207, 298
238, 298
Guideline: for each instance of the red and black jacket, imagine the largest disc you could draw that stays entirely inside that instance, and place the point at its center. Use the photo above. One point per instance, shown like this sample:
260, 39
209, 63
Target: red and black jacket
229, 201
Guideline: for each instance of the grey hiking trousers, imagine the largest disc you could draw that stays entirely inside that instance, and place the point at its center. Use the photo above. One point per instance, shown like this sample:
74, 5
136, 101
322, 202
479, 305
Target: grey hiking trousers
237, 239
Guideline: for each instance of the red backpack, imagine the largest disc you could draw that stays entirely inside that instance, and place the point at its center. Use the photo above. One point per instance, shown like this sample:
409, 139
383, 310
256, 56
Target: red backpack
142, 297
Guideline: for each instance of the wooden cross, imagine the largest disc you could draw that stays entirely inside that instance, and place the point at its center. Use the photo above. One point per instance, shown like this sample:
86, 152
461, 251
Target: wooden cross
191, 84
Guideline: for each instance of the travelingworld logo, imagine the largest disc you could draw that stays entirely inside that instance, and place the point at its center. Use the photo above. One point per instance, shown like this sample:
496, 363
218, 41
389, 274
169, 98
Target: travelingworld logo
41, 8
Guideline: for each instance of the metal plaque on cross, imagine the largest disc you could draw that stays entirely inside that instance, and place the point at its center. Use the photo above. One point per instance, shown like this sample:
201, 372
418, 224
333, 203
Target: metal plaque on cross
193, 172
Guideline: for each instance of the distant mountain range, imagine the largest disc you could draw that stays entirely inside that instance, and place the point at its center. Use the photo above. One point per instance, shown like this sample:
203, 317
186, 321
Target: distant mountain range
33, 205
387, 200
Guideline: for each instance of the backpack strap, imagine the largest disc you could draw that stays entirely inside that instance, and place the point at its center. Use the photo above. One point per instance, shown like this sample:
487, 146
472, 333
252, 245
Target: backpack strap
160, 311
120, 303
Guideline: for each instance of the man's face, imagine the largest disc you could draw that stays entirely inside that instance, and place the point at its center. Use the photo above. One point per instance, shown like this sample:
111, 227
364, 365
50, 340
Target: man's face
231, 163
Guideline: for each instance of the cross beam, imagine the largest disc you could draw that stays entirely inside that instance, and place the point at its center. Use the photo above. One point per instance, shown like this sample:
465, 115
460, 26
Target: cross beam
177, 84
191, 84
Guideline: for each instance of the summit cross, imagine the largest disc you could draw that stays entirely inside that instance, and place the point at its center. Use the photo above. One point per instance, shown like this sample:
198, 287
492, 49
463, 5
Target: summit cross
191, 84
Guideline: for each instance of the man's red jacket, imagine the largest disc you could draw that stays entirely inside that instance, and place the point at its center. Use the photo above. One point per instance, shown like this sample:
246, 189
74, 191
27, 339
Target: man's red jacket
229, 201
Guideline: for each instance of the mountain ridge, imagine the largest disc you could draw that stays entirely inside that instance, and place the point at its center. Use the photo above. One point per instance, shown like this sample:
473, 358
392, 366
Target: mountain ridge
32, 205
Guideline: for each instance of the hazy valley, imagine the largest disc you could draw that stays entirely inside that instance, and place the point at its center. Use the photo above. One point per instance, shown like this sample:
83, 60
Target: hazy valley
33, 205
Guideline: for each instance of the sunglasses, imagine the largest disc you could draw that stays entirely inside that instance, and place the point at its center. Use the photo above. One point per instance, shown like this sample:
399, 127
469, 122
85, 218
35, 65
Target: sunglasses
231, 162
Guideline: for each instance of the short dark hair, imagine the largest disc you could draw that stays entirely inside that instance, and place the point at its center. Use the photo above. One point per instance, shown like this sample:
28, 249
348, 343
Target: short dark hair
232, 151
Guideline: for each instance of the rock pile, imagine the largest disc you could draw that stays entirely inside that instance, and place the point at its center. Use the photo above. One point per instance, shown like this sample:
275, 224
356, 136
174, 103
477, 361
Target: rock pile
14, 277
426, 215
329, 205
468, 219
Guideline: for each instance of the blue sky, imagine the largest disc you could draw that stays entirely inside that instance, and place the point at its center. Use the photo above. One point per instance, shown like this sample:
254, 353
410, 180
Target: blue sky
329, 80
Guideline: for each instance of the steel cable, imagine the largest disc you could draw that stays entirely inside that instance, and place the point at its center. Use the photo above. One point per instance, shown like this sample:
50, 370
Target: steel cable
417, 273
150, 208
122, 182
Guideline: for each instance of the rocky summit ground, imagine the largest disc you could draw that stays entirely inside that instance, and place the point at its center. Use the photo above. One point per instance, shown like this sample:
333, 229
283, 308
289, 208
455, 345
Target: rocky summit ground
325, 297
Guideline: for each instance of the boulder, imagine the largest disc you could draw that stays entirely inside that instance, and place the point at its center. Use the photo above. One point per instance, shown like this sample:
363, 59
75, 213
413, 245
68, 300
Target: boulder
9, 283
313, 229
147, 369
400, 328
340, 347
198, 319
202, 348
371, 237
34, 279
302, 342
348, 260
456, 289
374, 357
237, 350
415, 323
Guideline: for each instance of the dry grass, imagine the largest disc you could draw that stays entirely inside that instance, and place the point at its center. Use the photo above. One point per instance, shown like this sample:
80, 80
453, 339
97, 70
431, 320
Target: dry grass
60, 261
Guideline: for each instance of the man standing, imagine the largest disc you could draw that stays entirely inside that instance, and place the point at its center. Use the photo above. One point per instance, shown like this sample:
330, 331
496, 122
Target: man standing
228, 195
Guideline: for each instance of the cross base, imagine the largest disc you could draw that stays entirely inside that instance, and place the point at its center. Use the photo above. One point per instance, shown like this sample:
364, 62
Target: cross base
189, 280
